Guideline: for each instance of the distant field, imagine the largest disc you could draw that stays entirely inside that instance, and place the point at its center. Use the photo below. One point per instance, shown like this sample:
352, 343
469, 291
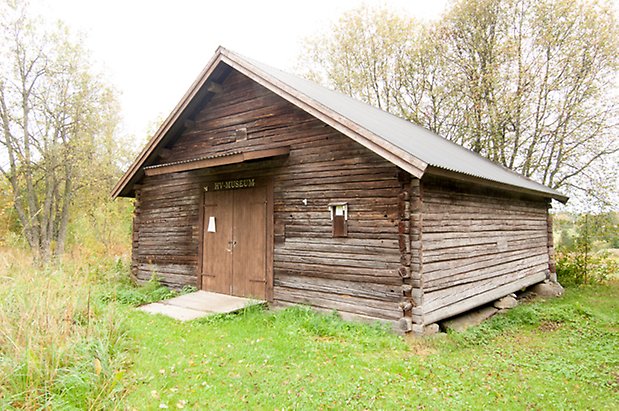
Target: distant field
70, 339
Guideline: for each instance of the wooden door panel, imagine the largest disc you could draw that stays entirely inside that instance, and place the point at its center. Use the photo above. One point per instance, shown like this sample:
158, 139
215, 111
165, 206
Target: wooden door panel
234, 257
217, 246
249, 233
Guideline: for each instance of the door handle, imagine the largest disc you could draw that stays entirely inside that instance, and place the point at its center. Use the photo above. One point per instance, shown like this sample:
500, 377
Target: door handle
231, 245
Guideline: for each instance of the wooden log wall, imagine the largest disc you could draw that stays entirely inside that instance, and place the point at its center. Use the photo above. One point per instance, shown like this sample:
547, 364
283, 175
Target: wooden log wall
358, 275
478, 245
416, 267
166, 244
552, 266
404, 244
135, 234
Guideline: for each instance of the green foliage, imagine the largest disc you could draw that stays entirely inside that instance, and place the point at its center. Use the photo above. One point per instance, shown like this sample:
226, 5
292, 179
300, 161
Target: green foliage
582, 255
85, 347
101, 228
73, 353
260, 358
188, 289
7, 217
604, 229
306, 321
576, 268
129, 294
58, 138
524, 316
571, 340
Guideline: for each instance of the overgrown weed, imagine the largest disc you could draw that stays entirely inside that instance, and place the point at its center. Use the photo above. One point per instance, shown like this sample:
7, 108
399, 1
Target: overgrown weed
60, 347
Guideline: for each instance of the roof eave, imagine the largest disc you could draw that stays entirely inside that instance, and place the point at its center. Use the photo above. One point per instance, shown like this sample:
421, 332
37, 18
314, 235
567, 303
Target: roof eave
549, 193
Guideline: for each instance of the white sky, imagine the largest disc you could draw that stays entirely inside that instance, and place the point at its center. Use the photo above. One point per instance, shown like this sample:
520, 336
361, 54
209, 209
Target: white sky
151, 51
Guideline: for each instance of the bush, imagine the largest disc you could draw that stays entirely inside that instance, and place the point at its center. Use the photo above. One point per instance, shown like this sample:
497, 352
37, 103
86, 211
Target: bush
578, 268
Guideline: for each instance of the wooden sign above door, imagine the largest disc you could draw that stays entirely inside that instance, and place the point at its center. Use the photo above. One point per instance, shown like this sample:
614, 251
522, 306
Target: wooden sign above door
232, 184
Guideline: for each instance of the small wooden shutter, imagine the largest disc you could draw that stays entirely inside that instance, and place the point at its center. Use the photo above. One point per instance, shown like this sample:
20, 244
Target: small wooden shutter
340, 226
339, 219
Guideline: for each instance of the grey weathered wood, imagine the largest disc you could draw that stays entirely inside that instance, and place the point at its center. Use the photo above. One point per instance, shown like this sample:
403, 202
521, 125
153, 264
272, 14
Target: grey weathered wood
363, 306
477, 241
483, 298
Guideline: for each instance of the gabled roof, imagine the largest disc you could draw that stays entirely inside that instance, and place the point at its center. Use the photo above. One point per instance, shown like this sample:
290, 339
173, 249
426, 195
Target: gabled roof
407, 145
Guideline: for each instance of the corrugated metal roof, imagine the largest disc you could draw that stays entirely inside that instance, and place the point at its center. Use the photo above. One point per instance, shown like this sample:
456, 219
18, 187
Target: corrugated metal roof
418, 141
407, 145
193, 160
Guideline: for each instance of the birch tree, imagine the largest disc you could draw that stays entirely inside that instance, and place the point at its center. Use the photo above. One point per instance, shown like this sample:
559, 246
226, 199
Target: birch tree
53, 114
530, 84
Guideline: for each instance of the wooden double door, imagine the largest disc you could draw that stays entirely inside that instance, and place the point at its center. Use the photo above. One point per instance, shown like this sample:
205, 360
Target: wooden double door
234, 242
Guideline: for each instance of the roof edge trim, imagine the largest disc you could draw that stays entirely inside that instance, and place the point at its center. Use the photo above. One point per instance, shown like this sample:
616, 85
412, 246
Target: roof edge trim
215, 161
441, 172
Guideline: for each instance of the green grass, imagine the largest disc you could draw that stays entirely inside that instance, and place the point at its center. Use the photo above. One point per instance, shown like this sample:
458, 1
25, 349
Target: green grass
70, 338
561, 354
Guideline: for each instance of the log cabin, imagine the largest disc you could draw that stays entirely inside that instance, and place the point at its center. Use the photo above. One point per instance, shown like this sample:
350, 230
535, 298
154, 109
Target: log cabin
266, 185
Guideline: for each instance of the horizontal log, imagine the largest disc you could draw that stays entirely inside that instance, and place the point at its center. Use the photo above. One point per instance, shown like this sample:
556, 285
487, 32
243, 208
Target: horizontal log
472, 263
168, 268
346, 316
436, 191
464, 253
499, 270
483, 298
324, 215
143, 252
353, 242
464, 229
319, 270
335, 263
455, 268
509, 238
171, 280
385, 279
191, 260
492, 205
382, 292
452, 295
497, 234
330, 250
363, 306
